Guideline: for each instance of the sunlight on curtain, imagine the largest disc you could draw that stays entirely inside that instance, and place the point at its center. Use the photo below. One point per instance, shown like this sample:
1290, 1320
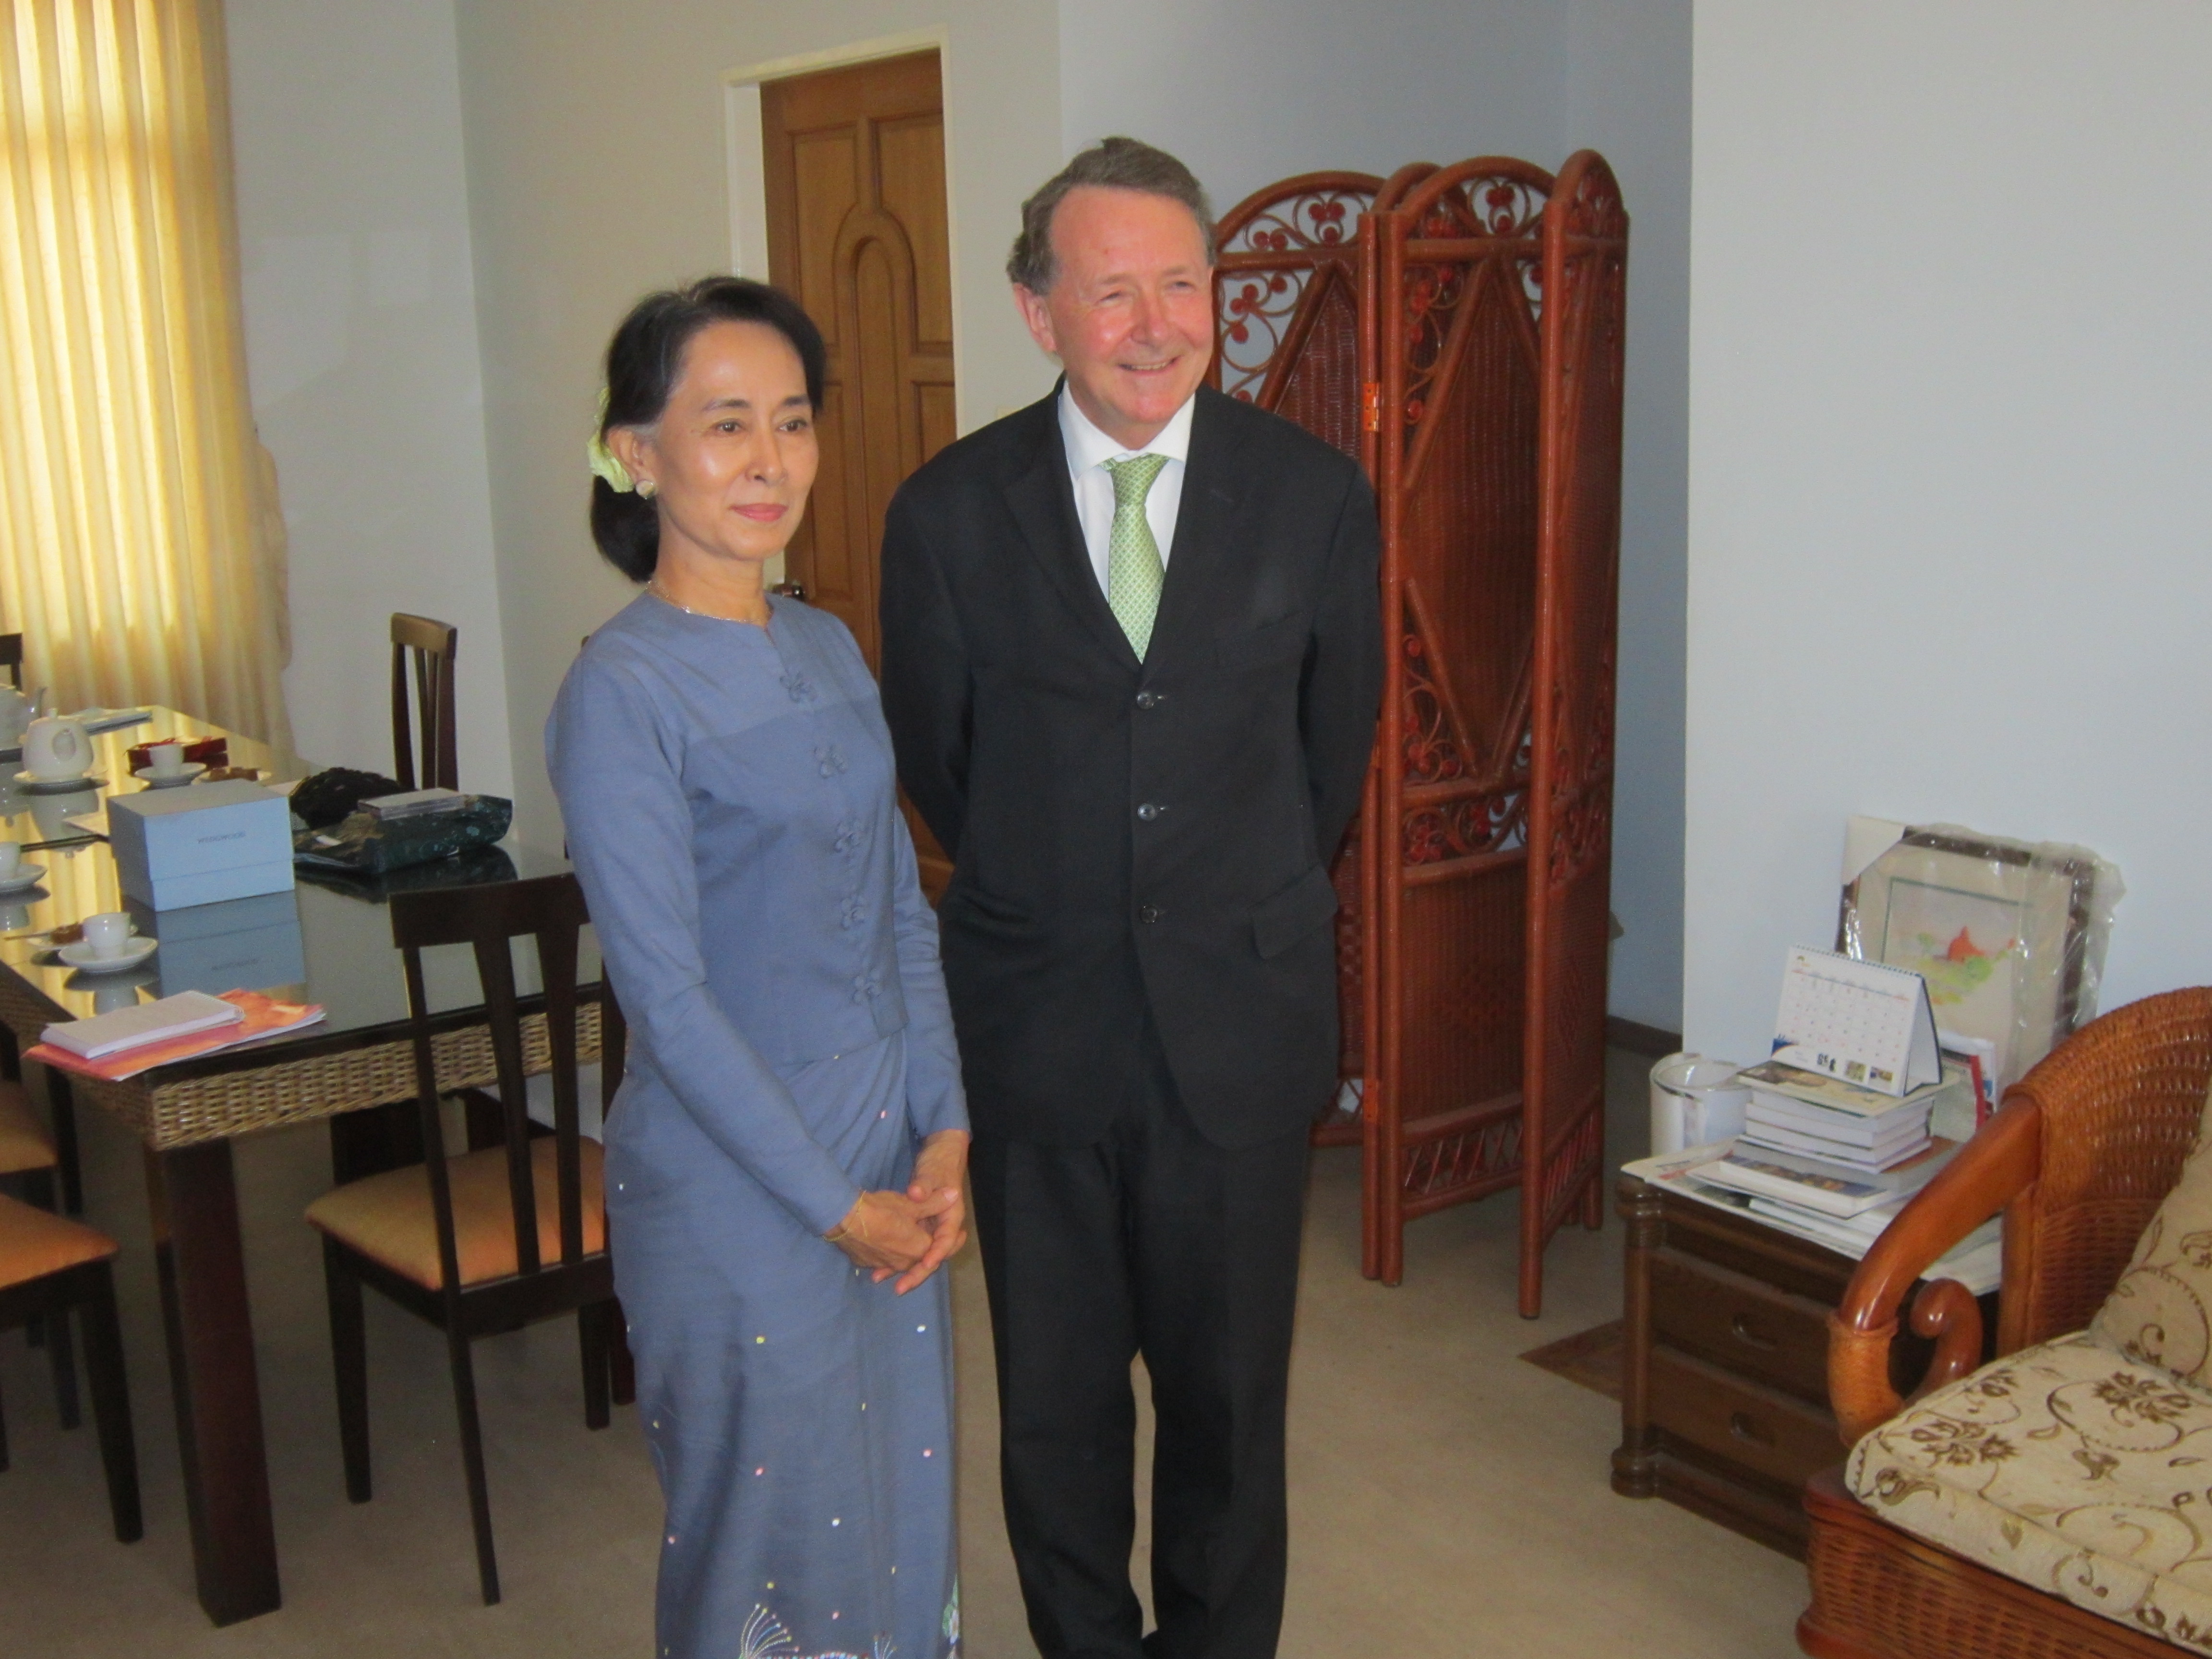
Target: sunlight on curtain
135, 557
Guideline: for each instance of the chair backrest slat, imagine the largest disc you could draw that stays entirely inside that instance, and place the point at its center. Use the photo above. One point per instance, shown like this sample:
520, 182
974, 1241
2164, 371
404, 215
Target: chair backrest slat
557, 955
422, 652
434, 1126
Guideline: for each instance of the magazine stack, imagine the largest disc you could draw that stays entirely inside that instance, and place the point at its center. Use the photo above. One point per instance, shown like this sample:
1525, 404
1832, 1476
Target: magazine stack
1834, 1162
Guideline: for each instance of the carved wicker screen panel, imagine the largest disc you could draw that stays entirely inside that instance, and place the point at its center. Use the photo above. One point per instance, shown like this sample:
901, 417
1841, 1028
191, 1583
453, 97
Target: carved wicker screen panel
1287, 331
1466, 345
1585, 234
1456, 352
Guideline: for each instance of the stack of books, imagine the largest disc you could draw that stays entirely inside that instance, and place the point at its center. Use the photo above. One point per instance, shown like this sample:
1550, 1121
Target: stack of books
1836, 1151
1833, 1163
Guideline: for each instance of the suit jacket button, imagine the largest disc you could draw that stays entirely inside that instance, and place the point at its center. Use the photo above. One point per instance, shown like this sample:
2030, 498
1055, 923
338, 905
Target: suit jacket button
1149, 914
1149, 809
1148, 698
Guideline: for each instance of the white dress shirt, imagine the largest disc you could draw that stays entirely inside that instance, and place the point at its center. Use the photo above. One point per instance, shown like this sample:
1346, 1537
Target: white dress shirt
1089, 450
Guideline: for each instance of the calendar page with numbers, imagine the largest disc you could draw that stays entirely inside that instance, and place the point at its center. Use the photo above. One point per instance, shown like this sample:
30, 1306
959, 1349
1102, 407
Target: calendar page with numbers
1864, 1022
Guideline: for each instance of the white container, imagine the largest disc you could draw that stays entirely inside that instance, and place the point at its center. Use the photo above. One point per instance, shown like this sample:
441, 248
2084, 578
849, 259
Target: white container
176, 848
1694, 1103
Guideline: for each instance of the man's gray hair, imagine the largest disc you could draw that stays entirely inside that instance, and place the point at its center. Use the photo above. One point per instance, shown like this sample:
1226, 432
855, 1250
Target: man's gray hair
1110, 164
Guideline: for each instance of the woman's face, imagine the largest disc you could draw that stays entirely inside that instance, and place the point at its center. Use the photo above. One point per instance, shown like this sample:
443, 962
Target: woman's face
734, 452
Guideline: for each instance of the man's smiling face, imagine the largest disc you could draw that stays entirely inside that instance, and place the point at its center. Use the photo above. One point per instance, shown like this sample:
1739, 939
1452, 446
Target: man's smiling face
1130, 312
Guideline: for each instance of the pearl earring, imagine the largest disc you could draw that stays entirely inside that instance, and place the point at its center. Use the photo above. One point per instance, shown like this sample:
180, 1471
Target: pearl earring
645, 488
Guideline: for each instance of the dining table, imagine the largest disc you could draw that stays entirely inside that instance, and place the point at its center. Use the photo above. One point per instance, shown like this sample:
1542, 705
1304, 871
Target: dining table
326, 941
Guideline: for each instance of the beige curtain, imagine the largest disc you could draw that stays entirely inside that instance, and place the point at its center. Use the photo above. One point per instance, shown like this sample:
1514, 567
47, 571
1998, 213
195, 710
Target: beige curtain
139, 553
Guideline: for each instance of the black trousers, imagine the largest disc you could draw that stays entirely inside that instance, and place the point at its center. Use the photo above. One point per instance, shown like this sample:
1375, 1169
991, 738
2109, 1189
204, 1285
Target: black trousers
1150, 1240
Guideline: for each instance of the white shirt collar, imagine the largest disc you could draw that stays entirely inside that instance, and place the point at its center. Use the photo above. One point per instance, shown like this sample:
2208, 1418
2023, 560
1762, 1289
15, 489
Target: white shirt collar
1087, 447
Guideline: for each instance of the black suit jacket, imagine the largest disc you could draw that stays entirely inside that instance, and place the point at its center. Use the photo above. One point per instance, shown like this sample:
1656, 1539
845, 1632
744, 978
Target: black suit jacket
1132, 835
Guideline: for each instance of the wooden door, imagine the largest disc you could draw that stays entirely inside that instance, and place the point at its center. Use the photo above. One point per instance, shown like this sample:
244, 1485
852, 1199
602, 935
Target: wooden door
855, 177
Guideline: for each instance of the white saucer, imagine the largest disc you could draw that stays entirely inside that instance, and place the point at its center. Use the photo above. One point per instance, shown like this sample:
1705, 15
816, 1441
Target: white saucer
26, 875
79, 955
35, 783
153, 780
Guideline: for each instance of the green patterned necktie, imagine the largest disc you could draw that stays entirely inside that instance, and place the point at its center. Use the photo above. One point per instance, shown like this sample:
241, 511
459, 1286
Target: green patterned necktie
1133, 571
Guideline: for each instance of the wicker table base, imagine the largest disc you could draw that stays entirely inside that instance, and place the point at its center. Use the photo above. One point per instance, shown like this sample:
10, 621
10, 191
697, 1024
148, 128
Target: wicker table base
189, 1111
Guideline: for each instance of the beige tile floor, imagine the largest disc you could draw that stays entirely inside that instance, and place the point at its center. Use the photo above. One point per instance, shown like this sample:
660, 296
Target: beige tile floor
1446, 1498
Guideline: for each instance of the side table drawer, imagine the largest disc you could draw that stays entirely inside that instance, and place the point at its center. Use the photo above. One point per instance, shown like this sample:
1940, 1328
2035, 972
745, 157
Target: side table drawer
1740, 1420
1740, 1324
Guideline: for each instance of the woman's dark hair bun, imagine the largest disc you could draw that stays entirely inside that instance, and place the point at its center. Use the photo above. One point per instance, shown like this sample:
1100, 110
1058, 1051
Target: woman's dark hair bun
644, 359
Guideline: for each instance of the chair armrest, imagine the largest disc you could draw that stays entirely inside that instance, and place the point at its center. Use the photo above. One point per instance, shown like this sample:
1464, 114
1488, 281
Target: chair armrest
1988, 1172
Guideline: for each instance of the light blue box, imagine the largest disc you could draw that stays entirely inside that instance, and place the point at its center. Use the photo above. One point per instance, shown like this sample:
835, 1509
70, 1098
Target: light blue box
201, 844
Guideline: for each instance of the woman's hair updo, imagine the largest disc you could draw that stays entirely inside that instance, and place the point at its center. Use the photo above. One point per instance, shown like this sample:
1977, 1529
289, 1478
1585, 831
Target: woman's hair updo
645, 359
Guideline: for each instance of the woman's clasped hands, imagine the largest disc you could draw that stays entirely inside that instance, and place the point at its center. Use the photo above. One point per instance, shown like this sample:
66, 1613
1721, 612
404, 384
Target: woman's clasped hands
911, 1234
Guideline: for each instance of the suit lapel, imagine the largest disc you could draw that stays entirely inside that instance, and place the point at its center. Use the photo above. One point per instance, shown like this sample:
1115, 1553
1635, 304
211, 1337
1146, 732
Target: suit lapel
1203, 522
1043, 501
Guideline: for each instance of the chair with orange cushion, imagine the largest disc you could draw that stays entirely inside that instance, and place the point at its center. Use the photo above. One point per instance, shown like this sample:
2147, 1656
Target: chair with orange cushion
28, 1155
50, 1267
484, 1241
30, 1162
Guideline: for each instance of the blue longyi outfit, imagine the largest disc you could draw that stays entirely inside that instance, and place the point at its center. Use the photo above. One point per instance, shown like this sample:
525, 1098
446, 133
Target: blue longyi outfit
728, 797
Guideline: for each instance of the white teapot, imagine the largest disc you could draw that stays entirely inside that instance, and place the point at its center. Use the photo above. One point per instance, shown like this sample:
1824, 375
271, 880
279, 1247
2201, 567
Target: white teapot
55, 747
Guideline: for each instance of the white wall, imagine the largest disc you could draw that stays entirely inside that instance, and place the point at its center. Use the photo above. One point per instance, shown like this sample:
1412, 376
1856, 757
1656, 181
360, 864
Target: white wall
1250, 91
1628, 97
361, 346
596, 173
1949, 502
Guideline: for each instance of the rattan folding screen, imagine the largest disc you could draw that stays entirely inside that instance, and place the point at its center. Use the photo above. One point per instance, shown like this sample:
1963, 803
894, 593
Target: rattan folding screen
1459, 329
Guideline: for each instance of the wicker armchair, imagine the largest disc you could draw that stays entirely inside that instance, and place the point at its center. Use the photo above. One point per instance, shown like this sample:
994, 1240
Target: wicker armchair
2085, 1147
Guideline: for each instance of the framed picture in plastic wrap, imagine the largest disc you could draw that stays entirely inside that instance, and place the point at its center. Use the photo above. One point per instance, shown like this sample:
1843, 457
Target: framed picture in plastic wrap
2009, 935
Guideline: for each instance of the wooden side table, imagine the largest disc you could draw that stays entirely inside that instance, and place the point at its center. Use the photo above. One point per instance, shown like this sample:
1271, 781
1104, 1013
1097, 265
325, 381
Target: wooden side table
1725, 1385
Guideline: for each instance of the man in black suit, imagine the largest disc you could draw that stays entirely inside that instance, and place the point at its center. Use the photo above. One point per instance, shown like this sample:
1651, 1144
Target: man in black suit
1131, 664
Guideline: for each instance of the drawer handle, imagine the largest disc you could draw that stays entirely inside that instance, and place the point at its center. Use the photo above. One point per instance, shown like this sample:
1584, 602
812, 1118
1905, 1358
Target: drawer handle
1749, 1334
1746, 1427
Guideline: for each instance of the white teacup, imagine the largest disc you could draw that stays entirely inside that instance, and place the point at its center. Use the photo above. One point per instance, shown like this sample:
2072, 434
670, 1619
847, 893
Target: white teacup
11, 859
166, 759
107, 934
56, 747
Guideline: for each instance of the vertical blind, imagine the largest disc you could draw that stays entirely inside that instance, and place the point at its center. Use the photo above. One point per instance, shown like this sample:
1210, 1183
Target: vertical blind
139, 556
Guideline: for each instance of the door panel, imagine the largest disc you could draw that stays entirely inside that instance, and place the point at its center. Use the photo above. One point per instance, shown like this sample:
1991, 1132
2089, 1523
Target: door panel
856, 220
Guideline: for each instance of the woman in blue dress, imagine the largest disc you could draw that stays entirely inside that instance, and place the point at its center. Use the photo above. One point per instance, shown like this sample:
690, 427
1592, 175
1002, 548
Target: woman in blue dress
785, 1160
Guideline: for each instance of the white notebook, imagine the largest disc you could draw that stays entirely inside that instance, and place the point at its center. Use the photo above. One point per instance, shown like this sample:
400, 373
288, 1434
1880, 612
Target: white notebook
149, 1021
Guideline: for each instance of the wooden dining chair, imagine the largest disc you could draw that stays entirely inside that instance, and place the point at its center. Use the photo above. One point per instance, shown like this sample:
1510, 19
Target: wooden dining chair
423, 661
481, 1242
11, 657
51, 1267
29, 1164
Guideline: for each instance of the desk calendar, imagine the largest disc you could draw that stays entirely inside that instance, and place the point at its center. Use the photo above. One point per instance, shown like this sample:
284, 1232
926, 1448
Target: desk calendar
1863, 1022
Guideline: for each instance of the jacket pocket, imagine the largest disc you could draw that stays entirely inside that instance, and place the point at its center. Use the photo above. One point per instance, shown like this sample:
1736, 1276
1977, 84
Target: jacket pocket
1270, 642
1280, 922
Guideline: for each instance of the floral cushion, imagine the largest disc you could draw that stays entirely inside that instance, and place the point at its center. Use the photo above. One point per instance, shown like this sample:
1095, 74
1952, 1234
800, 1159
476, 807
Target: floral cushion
2070, 1468
2156, 1313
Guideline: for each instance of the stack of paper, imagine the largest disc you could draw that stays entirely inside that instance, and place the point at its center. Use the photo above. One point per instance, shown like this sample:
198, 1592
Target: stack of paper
77, 1046
145, 1022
